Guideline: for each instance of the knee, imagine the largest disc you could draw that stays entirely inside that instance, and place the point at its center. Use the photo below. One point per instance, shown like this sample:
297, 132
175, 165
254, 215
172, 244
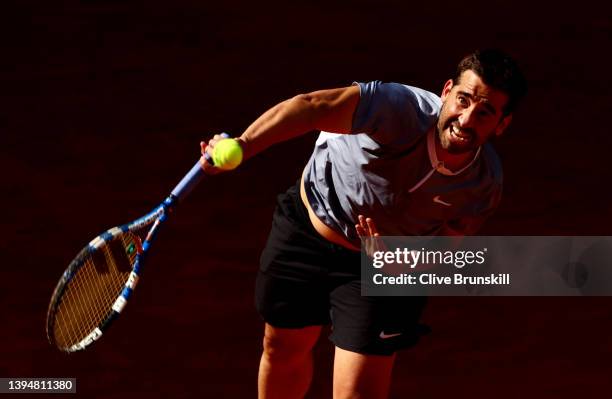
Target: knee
361, 376
280, 350
289, 345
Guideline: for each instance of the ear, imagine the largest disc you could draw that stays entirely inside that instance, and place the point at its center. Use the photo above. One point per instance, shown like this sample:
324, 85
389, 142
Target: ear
446, 90
503, 124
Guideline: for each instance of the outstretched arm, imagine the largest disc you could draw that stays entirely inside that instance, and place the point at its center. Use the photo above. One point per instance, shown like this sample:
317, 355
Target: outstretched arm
330, 110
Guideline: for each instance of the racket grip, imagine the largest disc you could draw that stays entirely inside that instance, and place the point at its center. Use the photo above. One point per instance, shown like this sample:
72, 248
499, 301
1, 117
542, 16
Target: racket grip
193, 177
188, 183
209, 159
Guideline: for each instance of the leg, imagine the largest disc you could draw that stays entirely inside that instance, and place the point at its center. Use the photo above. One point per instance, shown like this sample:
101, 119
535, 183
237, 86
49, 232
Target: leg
371, 330
358, 376
285, 370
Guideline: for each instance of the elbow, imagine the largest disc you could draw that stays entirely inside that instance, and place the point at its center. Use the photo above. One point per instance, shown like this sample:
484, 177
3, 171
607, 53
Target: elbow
312, 101
308, 108
317, 107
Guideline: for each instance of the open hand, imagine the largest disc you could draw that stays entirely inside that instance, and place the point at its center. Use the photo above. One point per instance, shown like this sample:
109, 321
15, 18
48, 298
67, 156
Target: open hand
368, 232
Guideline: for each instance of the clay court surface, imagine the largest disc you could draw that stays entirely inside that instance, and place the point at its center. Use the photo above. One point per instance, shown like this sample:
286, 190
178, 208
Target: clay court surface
105, 104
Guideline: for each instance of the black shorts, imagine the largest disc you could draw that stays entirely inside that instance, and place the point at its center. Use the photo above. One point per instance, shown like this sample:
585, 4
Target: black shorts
305, 280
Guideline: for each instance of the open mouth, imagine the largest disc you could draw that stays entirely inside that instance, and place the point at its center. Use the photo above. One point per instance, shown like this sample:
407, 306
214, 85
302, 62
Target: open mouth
457, 135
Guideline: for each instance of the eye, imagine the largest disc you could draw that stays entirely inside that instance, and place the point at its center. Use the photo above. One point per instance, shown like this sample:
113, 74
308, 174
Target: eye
485, 113
463, 101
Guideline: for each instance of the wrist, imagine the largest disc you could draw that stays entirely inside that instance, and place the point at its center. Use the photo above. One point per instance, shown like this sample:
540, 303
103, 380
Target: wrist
245, 145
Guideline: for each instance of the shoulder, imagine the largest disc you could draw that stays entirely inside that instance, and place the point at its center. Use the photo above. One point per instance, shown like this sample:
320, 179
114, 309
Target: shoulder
398, 94
393, 111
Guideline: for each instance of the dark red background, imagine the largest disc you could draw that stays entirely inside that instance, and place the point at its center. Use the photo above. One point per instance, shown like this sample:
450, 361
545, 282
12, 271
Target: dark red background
104, 104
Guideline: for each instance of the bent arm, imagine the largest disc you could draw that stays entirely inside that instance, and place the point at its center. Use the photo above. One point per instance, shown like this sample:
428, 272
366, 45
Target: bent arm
330, 110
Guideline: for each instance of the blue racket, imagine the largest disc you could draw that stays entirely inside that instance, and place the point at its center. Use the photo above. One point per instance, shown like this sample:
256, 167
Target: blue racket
98, 283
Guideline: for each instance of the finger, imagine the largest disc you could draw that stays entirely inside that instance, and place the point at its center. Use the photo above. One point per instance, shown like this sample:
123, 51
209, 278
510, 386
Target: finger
371, 227
215, 139
218, 137
208, 167
360, 231
206, 159
362, 223
206, 151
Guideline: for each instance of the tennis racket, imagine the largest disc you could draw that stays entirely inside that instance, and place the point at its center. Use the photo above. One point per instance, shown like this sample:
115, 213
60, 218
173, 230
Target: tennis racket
97, 284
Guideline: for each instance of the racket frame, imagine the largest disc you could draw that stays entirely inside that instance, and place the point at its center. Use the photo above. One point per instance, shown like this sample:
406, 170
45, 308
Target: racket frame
155, 218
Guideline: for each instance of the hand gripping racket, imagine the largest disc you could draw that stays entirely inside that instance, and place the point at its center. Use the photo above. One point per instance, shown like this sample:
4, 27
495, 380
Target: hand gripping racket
97, 284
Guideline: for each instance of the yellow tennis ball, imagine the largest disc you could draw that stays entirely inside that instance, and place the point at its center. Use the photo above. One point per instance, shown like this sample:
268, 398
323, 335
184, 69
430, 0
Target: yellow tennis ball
227, 154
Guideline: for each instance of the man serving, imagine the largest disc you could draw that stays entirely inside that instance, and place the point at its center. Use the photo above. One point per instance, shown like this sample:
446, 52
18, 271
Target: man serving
391, 159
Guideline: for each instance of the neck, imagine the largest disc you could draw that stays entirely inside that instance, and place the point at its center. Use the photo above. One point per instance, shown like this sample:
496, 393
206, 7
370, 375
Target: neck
453, 162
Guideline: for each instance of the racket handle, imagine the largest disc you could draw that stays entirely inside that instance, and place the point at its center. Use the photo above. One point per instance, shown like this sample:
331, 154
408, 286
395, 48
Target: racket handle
188, 183
193, 177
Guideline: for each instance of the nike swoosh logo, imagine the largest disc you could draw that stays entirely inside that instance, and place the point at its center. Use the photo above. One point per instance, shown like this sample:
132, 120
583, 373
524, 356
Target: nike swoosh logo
439, 201
387, 336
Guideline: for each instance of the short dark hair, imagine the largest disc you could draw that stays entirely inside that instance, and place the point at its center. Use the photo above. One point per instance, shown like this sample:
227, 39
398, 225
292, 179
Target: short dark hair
498, 70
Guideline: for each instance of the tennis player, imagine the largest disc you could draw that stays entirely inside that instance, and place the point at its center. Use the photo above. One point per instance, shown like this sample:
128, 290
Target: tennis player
391, 159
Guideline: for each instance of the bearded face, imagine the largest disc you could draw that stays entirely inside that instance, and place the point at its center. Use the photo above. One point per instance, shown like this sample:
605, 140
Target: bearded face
471, 114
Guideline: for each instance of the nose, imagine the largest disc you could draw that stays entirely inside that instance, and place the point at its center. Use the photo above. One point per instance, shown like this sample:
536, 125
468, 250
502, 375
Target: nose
467, 118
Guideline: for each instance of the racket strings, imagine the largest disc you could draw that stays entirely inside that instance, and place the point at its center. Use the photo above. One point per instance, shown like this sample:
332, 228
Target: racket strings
86, 301
90, 295
90, 298
79, 311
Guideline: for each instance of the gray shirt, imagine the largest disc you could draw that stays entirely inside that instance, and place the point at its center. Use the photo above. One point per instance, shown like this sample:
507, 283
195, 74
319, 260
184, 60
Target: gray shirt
387, 169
